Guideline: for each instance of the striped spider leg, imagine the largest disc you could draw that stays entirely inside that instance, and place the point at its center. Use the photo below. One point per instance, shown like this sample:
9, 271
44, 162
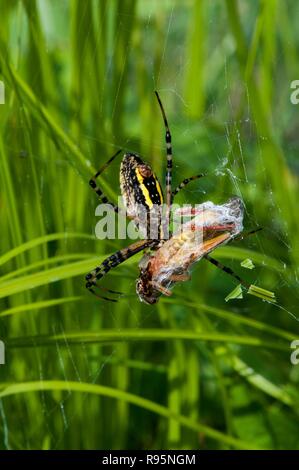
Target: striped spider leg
168, 177
185, 182
227, 269
112, 262
93, 183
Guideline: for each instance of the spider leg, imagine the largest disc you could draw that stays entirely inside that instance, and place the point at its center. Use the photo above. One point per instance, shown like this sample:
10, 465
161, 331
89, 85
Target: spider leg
109, 290
102, 297
247, 234
226, 270
185, 182
96, 188
106, 290
168, 177
113, 261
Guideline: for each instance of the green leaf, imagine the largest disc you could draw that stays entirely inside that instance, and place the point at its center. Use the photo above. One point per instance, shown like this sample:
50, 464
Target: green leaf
235, 294
262, 293
247, 263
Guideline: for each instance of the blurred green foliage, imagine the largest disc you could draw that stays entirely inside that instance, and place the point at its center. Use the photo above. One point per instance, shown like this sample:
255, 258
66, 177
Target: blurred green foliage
194, 371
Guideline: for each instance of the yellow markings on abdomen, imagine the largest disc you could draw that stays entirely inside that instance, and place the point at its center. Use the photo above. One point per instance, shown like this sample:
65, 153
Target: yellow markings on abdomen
145, 191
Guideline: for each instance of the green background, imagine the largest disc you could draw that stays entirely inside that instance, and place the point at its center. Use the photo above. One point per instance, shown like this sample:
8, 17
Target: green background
192, 371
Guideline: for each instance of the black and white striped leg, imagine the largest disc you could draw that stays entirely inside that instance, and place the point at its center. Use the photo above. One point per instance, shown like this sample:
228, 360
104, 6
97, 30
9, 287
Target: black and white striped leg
169, 154
111, 262
227, 270
97, 189
185, 182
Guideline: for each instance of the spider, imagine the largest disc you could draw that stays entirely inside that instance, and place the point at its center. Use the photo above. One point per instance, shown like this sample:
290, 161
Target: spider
140, 187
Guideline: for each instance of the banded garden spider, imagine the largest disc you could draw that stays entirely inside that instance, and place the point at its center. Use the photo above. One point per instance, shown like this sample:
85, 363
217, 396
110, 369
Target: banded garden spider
140, 186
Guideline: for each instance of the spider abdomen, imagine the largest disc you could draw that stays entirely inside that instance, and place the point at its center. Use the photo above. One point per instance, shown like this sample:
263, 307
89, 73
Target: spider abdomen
140, 189
138, 184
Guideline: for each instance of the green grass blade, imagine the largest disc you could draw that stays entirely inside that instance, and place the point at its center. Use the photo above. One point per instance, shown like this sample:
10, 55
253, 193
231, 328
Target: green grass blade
13, 389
